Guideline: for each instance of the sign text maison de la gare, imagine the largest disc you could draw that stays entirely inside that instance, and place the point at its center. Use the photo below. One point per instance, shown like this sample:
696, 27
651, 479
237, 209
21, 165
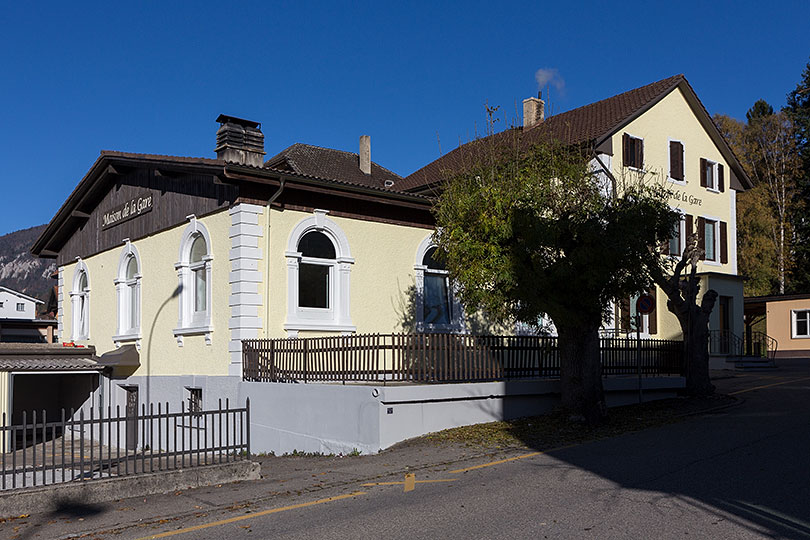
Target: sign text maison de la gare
124, 212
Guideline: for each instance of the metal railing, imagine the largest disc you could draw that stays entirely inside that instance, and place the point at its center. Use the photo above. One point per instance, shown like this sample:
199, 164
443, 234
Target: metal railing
87, 446
440, 358
752, 344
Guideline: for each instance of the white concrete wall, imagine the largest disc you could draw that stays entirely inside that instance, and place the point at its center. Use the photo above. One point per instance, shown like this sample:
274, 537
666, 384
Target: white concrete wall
333, 418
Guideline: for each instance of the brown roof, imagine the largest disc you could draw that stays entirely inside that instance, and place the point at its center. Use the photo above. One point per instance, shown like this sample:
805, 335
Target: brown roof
588, 124
46, 357
329, 164
163, 158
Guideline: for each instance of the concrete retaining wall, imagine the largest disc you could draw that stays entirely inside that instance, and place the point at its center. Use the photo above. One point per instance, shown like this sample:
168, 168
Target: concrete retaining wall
15, 502
335, 418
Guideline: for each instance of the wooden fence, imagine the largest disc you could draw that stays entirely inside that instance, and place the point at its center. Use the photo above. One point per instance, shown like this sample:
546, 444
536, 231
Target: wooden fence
440, 358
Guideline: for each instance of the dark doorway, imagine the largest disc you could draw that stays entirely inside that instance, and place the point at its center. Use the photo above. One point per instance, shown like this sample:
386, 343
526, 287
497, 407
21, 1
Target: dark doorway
724, 312
47, 395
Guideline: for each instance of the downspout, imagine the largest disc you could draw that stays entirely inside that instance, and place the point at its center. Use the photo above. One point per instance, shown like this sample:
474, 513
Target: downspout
270, 201
613, 182
607, 172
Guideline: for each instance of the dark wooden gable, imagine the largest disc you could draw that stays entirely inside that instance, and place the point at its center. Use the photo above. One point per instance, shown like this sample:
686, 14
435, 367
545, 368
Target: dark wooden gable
175, 195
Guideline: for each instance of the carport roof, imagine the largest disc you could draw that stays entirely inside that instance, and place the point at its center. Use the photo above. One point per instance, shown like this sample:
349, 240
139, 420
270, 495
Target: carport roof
47, 357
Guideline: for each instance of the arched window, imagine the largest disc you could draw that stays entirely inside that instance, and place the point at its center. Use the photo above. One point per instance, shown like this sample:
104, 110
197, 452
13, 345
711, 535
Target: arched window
318, 270
128, 290
194, 276
80, 303
436, 308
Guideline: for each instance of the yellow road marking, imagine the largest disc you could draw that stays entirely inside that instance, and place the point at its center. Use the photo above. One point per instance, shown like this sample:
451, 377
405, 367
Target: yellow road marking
372, 484
410, 482
768, 385
507, 460
253, 515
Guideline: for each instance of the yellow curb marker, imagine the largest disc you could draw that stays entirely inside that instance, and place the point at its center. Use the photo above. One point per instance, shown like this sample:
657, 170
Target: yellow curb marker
410, 482
253, 515
372, 484
768, 385
507, 460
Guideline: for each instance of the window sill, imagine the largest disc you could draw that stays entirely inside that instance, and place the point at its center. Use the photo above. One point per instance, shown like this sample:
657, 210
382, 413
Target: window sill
712, 263
799, 337
452, 328
712, 190
297, 326
674, 181
205, 330
128, 338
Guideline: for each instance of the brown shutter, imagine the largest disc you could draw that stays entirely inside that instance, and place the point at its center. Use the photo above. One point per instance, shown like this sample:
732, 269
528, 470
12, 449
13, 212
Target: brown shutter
720, 177
639, 153
702, 237
653, 317
675, 160
626, 150
690, 226
723, 242
624, 315
665, 247
702, 172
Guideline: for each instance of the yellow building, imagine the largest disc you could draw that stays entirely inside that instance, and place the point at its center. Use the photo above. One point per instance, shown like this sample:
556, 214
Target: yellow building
166, 264
661, 132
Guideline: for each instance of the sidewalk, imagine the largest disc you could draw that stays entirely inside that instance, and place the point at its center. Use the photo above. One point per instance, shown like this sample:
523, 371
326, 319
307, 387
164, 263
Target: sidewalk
285, 480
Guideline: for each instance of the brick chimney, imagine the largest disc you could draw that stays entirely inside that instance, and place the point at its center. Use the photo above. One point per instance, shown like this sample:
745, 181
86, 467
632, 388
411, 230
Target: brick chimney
534, 111
365, 154
240, 141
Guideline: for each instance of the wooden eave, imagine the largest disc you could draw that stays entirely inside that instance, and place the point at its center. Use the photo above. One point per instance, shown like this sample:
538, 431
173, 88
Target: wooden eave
74, 212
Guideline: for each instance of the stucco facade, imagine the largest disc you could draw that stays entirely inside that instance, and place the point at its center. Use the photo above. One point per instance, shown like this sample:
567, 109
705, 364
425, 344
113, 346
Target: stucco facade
244, 304
673, 118
784, 322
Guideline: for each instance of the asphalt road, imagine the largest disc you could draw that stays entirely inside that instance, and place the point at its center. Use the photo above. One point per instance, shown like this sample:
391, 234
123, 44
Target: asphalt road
739, 473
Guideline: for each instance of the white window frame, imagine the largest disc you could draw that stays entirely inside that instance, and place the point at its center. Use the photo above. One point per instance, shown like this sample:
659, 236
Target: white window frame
669, 162
20, 307
80, 304
716, 225
794, 334
336, 317
681, 234
191, 322
456, 312
716, 187
125, 290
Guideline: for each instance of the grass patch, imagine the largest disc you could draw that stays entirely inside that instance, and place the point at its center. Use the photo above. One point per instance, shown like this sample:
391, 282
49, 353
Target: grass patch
556, 429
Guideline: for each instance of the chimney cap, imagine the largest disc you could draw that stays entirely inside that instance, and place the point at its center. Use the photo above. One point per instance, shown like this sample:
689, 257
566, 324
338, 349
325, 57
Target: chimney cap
226, 119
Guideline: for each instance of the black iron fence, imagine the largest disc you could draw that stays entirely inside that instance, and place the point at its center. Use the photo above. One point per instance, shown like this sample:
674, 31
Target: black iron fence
83, 446
751, 344
440, 358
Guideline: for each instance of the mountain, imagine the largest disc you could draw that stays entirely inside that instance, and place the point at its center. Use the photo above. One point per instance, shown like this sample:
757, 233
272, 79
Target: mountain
21, 271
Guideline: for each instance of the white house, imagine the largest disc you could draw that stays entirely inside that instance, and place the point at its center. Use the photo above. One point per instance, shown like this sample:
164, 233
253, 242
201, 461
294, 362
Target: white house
16, 305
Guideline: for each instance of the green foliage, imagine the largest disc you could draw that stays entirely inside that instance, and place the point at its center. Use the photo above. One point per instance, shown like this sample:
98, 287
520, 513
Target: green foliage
798, 109
761, 109
531, 230
756, 223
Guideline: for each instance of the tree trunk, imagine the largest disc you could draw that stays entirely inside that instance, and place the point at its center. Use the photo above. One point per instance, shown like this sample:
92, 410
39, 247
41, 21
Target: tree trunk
695, 326
581, 372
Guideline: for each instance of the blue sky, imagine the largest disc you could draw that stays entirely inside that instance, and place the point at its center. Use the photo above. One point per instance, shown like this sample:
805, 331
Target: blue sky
153, 76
